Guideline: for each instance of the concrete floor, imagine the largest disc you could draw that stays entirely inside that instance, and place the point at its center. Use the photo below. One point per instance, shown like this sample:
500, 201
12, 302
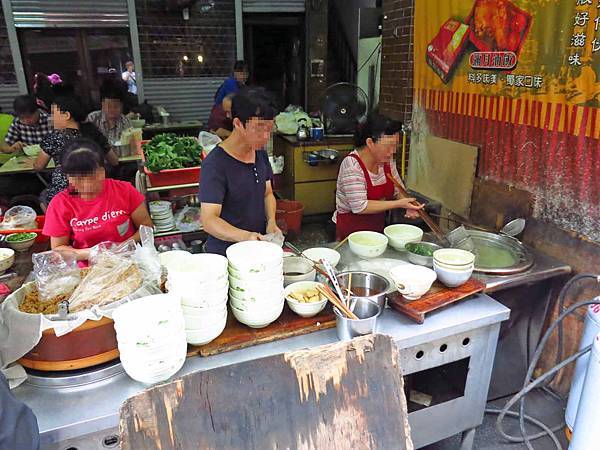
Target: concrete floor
539, 404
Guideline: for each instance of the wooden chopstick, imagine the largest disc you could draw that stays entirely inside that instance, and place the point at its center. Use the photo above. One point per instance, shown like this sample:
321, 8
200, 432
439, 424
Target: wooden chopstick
328, 293
342, 242
349, 289
426, 218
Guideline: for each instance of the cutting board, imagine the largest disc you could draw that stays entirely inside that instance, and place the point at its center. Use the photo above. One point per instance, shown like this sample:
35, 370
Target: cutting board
443, 170
437, 297
237, 335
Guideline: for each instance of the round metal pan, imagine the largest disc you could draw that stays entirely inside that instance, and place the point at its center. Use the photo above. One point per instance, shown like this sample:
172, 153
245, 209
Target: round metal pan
524, 258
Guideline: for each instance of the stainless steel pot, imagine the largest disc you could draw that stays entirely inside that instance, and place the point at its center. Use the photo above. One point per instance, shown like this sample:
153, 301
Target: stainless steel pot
367, 311
367, 285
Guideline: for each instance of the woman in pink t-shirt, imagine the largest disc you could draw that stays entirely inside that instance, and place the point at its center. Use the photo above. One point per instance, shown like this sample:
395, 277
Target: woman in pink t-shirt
93, 209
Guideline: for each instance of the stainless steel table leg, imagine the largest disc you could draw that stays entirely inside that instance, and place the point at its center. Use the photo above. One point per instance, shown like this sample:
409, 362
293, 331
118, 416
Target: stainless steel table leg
467, 438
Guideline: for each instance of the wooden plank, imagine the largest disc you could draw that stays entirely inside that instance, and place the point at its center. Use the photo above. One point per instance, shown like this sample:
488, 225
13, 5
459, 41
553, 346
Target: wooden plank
346, 395
237, 335
437, 297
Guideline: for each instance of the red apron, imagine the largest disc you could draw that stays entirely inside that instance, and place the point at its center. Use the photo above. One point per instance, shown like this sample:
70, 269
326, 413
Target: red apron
347, 223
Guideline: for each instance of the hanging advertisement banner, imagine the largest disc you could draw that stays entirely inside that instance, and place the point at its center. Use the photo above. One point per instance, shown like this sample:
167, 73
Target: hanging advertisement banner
543, 52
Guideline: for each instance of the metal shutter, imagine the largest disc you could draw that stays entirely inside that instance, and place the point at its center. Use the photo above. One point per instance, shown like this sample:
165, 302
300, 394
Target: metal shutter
70, 13
183, 98
8, 92
270, 6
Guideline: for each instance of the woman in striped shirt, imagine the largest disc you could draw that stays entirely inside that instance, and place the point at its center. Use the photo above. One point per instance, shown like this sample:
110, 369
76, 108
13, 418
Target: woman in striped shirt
364, 193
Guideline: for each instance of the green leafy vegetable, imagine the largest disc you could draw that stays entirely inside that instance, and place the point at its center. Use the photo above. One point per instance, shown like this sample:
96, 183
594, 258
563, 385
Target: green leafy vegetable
168, 151
420, 249
20, 237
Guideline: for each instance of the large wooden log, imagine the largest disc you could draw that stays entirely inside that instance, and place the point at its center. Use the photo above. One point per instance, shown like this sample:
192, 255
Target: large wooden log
346, 395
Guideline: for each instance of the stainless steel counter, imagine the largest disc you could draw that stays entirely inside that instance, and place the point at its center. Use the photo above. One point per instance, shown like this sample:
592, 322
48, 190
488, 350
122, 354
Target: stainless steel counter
67, 413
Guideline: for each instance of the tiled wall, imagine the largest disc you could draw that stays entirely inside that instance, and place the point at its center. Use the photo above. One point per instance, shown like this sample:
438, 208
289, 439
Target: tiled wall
165, 37
7, 70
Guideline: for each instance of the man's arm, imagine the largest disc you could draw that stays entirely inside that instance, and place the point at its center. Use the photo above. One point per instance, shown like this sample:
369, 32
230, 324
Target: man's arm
212, 223
271, 209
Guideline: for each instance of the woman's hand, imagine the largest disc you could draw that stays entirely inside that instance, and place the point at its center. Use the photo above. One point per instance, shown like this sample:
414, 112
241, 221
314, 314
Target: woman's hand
411, 214
409, 203
252, 236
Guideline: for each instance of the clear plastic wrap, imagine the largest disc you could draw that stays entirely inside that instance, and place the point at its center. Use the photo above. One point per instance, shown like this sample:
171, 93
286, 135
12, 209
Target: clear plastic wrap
19, 217
118, 272
188, 219
56, 274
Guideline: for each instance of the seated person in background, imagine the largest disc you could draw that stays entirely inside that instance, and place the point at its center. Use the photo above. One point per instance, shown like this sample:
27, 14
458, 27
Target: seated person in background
219, 121
233, 84
93, 209
28, 128
67, 118
236, 194
110, 120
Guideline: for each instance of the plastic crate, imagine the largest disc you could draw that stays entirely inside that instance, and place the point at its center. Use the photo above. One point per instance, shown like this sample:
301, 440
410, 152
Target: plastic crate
40, 226
169, 177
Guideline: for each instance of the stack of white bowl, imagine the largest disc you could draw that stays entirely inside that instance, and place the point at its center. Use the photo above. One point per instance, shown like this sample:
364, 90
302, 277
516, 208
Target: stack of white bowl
161, 213
200, 281
151, 337
255, 282
453, 266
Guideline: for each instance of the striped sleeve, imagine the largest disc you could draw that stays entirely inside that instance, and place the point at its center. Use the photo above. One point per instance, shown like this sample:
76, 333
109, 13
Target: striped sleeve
352, 187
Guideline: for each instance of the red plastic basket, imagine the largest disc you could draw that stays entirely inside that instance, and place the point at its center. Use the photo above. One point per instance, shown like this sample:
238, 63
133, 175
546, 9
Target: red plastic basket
169, 177
40, 226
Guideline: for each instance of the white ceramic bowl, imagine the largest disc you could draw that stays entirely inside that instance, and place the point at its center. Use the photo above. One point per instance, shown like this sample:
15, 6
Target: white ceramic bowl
367, 244
254, 256
21, 246
401, 234
214, 311
205, 302
304, 309
202, 321
205, 335
257, 276
452, 278
7, 259
267, 285
255, 320
453, 257
262, 301
173, 258
191, 289
411, 280
451, 267
297, 265
150, 345
148, 315
201, 267
319, 253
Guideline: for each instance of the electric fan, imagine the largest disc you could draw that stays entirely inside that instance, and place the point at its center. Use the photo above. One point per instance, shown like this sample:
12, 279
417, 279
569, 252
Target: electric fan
343, 107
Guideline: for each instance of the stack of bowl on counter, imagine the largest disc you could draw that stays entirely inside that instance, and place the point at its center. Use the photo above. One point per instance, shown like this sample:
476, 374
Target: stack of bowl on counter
255, 282
162, 215
200, 282
152, 343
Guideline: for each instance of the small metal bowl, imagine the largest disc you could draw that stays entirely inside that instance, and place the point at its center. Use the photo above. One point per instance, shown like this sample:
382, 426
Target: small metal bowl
420, 259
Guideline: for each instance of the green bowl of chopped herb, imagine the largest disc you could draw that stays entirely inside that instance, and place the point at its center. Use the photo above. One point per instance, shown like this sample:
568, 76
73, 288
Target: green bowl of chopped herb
21, 242
421, 253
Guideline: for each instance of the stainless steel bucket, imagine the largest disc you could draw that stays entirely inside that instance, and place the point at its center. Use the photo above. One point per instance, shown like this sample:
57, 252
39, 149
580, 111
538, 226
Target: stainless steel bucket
367, 310
365, 285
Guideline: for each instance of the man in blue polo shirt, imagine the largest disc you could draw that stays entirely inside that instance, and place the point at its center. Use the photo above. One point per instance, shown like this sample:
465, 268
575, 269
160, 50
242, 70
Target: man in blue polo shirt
236, 192
234, 83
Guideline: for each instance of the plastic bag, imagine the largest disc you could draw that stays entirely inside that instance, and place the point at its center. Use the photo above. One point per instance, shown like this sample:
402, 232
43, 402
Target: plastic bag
19, 217
277, 164
208, 141
55, 274
287, 122
119, 272
188, 219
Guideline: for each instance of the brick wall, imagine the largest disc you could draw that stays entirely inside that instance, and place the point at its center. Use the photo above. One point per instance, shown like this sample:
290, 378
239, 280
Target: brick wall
396, 94
165, 38
7, 70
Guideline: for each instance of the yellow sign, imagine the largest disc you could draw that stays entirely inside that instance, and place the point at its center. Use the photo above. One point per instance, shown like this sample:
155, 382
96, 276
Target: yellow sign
544, 51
